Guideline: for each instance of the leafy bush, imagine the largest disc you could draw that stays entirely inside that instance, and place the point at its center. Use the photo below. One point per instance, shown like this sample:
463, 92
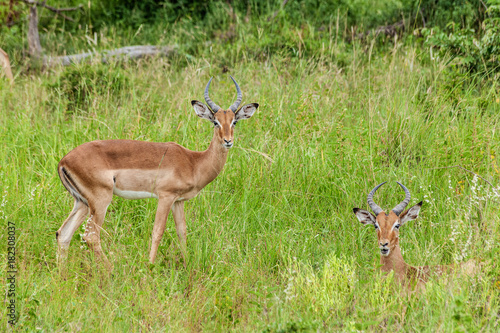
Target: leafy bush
131, 14
471, 51
9, 12
440, 13
77, 84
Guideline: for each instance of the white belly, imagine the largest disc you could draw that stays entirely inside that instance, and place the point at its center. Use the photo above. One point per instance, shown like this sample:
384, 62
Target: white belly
133, 194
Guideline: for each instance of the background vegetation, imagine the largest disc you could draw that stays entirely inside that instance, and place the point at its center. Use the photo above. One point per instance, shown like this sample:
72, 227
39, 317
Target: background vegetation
273, 244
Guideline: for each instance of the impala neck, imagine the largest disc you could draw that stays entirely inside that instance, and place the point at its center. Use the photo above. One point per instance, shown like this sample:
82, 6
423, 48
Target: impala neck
394, 261
212, 161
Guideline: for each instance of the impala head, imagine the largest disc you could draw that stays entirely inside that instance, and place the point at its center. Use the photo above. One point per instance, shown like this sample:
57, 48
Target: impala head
224, 120
387, 225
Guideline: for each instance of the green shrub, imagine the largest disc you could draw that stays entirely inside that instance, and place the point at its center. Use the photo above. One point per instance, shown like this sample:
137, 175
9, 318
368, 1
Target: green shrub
440, 13
79, 85
471, 51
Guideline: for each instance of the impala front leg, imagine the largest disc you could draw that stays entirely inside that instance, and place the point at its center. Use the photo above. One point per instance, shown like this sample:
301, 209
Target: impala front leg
180, 226
164, 206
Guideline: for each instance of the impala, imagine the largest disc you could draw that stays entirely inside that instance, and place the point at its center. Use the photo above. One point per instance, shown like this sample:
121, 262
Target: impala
387, 227
96, 170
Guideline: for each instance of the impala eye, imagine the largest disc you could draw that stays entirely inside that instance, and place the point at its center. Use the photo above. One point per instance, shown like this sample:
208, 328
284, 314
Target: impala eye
376, 226
397, 226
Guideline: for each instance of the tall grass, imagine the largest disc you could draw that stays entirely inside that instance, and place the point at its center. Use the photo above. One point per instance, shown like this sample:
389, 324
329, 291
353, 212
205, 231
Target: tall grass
273, 244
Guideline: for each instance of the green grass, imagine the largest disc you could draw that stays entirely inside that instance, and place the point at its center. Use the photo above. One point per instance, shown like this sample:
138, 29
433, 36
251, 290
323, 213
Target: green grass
273, 244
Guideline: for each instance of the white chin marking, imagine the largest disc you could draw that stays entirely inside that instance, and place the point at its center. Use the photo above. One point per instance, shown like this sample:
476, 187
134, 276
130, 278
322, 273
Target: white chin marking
385, 254
134, 194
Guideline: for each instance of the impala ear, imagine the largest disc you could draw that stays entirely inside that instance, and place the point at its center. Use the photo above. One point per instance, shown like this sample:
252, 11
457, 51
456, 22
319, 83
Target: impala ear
410, 214
202, 111
246, 111
365, 216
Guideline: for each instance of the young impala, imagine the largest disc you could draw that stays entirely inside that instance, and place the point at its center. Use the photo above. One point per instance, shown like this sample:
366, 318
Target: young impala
387, 227
96, 170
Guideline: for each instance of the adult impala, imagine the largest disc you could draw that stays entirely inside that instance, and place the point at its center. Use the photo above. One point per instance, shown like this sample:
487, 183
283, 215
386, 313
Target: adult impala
387, 227
96, 170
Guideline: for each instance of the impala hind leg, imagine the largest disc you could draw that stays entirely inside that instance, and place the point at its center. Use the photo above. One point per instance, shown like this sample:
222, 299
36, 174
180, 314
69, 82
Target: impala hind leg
164, 206
92, 235
180, 226
68, 228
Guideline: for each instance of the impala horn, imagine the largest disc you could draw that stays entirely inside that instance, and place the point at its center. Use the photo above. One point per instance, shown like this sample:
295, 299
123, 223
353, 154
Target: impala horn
376, 209
399, 208
211, 104
239, 97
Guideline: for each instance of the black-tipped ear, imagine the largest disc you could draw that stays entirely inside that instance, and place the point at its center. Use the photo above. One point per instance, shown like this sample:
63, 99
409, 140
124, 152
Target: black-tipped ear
202, 110
246, 111
364, 216
411, 213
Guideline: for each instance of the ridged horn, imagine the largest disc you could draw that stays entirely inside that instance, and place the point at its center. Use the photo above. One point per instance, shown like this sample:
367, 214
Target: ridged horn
211, 104
376, 209
239, 97
399, 208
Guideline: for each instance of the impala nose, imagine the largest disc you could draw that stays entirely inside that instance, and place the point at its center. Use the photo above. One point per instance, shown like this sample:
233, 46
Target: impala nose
383, 247
228, 143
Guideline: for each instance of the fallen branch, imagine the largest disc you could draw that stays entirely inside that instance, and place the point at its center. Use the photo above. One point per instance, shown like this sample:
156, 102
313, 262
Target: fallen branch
128, 52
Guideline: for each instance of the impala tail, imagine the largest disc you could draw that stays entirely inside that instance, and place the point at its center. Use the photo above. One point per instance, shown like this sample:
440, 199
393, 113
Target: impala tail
70, 185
